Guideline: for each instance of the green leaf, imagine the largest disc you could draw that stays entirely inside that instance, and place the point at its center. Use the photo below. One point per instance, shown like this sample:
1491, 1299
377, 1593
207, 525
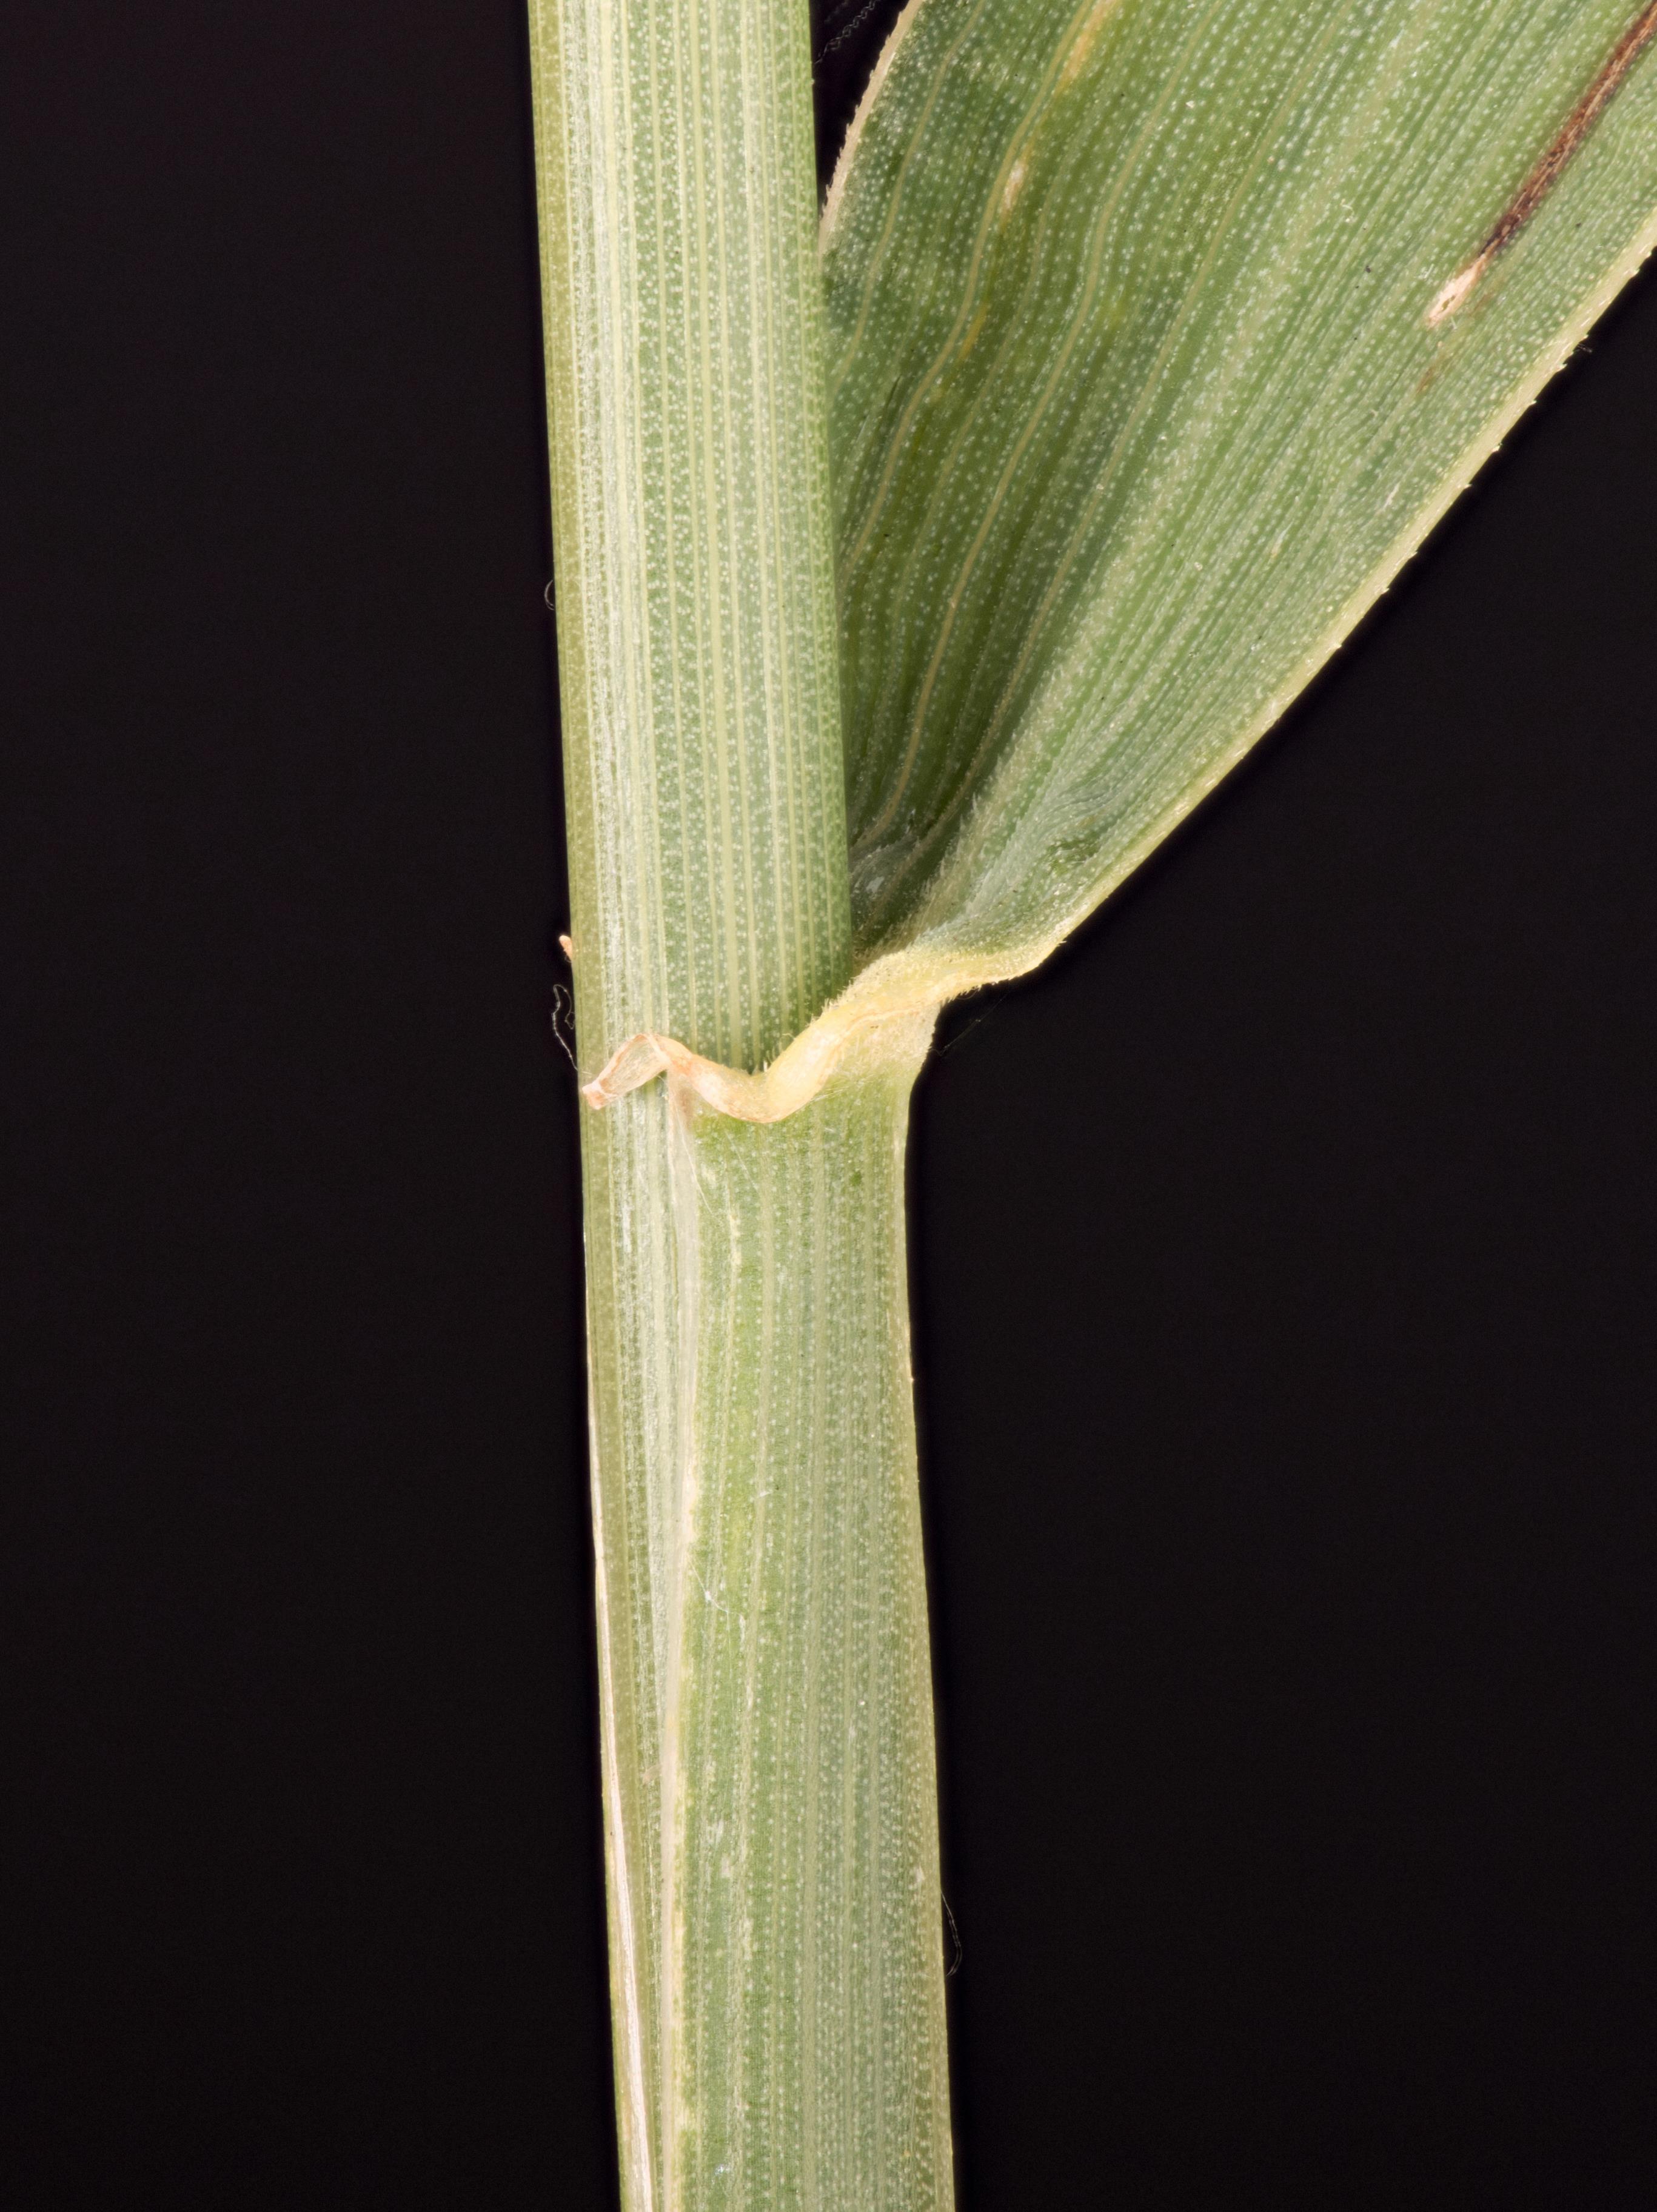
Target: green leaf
1148, 373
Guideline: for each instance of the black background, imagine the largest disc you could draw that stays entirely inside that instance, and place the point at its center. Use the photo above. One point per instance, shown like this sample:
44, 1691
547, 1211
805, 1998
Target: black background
1287, 1395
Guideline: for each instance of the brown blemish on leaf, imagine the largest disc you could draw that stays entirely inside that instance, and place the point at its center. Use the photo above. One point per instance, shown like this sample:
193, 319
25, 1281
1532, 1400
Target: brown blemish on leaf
1543, 178
1087, 39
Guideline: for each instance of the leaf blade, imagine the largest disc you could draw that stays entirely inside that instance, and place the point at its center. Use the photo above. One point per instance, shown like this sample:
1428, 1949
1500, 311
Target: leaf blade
1057, 390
